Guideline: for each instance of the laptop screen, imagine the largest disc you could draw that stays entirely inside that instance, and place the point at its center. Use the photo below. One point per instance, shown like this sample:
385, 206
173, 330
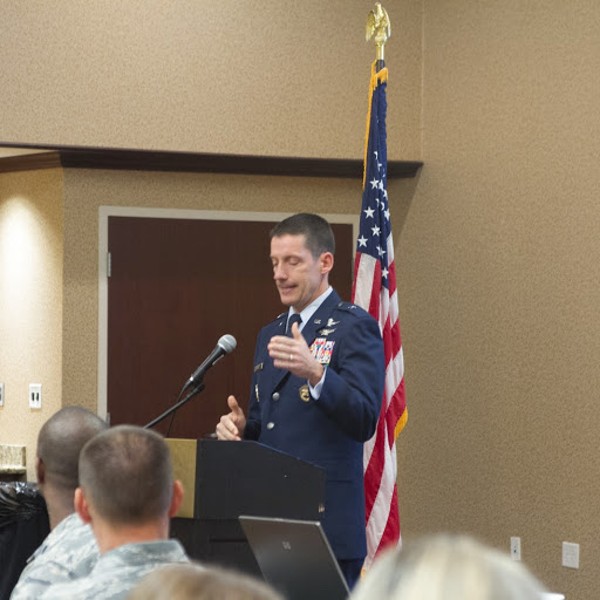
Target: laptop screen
295, 558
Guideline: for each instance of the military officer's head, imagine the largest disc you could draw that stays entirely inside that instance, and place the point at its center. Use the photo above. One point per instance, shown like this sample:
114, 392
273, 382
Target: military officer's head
302, 249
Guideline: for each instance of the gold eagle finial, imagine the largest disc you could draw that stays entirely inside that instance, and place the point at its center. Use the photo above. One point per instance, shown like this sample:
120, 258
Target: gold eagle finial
379, 28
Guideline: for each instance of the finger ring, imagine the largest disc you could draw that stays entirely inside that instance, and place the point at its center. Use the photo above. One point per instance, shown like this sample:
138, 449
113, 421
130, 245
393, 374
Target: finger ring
291, 358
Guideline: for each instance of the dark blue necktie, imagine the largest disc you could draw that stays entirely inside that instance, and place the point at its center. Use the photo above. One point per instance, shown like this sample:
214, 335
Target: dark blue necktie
295, 318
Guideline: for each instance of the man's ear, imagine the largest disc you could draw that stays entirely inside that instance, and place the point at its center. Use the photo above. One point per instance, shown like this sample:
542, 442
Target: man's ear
40, 471
177, 498
81, 506
326, 260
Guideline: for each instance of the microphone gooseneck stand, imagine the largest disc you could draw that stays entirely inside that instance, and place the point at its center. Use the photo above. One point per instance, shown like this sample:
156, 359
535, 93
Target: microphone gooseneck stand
198, 387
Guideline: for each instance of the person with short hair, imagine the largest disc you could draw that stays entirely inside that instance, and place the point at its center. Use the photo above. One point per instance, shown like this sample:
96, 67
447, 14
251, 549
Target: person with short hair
317, 382
193, 582
127, 494
447, 567
70, 550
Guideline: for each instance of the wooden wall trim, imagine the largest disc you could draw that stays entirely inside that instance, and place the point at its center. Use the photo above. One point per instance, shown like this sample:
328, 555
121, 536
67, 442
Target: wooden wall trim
73, 157
30, 162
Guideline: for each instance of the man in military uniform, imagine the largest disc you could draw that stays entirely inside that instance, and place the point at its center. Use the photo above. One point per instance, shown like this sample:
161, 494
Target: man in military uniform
70, 550
318, 381
127, 494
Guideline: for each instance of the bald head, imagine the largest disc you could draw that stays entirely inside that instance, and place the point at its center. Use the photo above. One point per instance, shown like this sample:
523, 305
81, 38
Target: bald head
60, 441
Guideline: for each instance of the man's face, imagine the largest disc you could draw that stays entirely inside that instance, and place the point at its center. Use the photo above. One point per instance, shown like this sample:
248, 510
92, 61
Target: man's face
298, 275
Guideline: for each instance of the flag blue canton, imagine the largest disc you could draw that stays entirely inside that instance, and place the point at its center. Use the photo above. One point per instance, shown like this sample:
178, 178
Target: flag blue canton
375, 214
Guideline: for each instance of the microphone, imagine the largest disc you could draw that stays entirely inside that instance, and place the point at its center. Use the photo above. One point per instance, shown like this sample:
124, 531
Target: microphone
225, 345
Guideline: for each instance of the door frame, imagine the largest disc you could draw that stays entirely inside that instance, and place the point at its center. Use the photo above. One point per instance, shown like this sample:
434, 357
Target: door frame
104, 212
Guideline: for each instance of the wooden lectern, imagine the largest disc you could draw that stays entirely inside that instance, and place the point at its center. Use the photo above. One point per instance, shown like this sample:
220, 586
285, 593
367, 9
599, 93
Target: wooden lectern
224, 480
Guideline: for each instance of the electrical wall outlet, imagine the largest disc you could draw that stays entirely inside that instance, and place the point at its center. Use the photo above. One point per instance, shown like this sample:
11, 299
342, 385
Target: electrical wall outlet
570, 555
515, 548
35, 395
1, 394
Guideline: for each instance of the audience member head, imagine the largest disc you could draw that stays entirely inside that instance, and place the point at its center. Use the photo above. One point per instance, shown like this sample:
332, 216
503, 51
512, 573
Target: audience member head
316, 230
193, 582
447, 567
59, 444
126, 480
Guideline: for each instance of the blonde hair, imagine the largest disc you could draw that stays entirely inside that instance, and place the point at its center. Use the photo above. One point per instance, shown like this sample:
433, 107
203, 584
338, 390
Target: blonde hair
447, 567
194, 582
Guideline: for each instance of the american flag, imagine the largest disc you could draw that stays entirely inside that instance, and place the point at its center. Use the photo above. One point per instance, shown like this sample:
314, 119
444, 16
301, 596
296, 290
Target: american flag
374, 289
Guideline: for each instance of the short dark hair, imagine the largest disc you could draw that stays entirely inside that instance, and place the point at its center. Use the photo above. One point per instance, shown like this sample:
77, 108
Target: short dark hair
126, 473
316, 230
60, 441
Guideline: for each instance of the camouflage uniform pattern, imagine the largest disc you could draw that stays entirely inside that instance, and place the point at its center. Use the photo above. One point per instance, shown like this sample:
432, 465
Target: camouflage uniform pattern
68, 552
118, 571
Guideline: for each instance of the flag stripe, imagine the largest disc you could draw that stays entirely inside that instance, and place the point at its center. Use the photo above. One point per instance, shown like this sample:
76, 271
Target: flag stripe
374, 288
386, 487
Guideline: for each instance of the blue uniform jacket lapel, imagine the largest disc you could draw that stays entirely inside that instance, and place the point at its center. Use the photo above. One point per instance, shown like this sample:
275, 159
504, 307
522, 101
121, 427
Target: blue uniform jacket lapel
276, 375
319, 319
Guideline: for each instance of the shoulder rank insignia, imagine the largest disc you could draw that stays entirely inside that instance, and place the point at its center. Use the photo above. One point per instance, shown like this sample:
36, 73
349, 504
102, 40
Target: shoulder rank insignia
347, 306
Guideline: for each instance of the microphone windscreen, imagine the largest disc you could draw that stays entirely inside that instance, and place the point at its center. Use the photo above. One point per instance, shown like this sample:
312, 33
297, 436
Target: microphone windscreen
227, 342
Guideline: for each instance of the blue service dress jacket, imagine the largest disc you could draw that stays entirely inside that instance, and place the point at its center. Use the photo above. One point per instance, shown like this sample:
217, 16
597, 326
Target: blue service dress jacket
328, 431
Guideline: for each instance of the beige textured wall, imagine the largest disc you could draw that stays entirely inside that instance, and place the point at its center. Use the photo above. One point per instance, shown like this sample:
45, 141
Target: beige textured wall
500, 284
31, 292
252, 77
497, 247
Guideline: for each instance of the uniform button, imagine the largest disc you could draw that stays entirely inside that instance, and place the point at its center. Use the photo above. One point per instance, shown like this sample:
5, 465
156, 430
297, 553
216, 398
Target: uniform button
275, 396
270, 425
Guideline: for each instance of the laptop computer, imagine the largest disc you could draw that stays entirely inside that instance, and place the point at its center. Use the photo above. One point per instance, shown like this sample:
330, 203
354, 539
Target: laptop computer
295, 558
